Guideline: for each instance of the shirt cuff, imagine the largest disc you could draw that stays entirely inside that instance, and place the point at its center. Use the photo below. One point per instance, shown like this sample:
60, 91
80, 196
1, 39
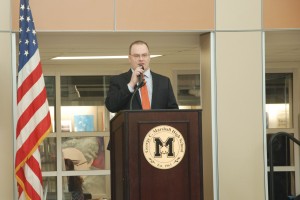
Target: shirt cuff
130, 88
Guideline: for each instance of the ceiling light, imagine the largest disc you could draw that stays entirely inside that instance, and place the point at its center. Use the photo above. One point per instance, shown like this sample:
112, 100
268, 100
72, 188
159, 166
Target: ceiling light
93, 57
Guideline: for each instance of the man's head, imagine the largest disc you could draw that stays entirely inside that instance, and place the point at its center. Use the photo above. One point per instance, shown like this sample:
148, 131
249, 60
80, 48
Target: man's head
139, 54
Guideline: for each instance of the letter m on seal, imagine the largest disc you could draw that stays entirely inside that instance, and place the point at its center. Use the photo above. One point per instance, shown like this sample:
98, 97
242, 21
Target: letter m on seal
168, 146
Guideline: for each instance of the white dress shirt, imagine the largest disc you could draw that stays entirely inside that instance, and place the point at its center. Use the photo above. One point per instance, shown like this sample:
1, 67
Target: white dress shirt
149, 84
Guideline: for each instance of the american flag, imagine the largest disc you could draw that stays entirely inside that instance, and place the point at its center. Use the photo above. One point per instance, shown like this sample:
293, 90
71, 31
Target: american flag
34, 122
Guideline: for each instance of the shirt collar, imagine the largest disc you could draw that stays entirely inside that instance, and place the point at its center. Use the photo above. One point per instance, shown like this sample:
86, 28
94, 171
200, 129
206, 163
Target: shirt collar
147, 73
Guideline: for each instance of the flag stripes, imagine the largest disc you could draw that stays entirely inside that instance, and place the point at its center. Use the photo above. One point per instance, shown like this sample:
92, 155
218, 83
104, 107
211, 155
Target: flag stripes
28, 177
32, 69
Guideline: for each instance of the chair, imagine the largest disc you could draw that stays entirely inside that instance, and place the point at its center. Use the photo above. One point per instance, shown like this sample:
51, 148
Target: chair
87, 196
294, 197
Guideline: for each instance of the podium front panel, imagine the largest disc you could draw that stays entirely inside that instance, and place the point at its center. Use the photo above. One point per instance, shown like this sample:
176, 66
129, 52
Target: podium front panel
139, 179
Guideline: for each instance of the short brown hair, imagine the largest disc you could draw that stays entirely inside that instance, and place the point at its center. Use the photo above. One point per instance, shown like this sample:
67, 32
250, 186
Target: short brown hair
137, 42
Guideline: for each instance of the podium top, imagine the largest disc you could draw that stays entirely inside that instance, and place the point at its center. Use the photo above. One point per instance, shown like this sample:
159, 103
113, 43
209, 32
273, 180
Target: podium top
122, 112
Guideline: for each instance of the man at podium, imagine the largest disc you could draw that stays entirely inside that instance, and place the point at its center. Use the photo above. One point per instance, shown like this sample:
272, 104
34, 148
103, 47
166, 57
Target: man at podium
140, 88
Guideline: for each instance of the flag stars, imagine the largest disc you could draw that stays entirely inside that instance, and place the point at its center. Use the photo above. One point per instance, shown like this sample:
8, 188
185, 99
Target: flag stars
27, 39
26, 53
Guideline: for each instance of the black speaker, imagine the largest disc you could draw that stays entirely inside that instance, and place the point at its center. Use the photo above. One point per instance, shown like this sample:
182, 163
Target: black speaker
281, 151
282, 185
281, 157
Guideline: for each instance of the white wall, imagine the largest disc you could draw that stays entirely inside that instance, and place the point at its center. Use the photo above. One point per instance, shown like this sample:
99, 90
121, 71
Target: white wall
6, 116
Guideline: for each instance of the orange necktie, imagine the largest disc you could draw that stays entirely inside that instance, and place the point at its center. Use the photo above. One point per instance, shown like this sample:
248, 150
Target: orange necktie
145, 97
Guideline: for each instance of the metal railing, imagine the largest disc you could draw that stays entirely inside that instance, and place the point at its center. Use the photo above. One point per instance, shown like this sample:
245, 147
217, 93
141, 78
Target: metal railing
270, 148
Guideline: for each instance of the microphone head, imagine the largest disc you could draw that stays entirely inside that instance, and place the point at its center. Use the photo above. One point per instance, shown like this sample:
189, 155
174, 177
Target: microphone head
140, 77
141, 66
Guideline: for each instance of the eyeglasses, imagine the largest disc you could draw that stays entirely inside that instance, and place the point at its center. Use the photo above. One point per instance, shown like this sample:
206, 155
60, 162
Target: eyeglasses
143, 56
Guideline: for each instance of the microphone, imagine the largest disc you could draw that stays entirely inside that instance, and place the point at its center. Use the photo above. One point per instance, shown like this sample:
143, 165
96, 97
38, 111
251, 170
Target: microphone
140, 84
140, 77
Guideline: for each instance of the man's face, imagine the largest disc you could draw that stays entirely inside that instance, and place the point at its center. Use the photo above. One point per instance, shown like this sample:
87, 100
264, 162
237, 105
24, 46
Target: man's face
139, 56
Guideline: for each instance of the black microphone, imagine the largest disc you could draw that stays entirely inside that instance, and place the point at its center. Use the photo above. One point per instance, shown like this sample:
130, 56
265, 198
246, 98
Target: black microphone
140, 77
140, 84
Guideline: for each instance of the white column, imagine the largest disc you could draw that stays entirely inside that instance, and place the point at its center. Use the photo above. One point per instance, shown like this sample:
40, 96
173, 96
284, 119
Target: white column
239, 100
6, 109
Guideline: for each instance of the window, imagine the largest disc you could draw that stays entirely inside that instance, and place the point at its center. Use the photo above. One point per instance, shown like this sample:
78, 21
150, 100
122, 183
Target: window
279, 116
77, 146
188, 89
279, 100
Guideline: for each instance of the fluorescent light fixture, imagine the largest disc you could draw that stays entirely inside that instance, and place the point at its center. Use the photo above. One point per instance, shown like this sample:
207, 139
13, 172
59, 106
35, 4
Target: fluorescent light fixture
93, 57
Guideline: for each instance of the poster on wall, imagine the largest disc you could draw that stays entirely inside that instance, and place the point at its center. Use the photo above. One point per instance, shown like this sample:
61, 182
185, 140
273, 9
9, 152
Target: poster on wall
83, 123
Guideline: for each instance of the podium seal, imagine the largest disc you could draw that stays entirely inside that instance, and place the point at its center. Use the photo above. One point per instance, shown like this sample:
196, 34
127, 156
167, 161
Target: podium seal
164, 147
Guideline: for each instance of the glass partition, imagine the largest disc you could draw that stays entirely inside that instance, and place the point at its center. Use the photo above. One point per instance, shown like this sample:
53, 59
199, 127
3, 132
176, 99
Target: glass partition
279, 117
50, 88
90, 187
82, 103
86, 153
80, 140
279, 104
50, 189
188, 89
48, 154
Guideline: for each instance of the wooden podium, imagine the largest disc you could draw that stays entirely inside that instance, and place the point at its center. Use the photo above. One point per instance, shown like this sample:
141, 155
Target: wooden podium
132, 175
